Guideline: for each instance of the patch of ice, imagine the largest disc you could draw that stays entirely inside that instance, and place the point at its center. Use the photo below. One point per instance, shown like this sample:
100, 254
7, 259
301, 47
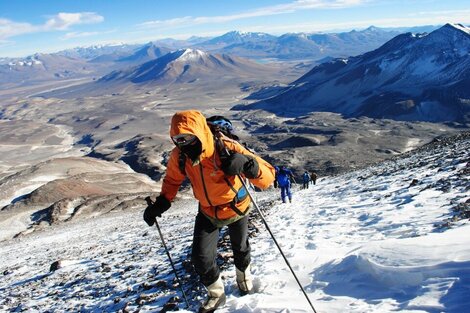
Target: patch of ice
411, 144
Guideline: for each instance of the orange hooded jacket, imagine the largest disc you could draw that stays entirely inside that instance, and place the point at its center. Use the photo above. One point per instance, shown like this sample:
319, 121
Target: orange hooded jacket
211, 187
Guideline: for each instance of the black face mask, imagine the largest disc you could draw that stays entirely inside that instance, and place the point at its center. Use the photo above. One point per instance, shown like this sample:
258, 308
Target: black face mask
193, 151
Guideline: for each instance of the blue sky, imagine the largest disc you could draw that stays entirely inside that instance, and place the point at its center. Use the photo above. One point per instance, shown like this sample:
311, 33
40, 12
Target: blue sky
28, 26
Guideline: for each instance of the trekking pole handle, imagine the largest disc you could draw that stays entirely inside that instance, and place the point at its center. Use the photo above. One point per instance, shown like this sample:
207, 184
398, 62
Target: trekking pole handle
149, 202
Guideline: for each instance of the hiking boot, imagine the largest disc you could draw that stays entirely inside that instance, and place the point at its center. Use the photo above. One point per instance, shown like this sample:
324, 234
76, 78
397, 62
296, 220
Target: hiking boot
244, 281
215, 297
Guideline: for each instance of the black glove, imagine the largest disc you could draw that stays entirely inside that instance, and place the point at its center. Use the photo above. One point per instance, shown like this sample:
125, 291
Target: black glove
238, 163
155, 209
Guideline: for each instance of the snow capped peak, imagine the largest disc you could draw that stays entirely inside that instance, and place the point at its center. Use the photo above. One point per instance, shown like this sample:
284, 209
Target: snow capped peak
191, 54
372, 28
460, 27
240, 33
100, 46
419, 35
243, 35
297, 35
29, 61
451, 30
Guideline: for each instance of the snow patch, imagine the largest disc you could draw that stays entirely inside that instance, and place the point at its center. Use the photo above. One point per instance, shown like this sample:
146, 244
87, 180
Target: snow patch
29, 62
20, 193
461, 28
411, 144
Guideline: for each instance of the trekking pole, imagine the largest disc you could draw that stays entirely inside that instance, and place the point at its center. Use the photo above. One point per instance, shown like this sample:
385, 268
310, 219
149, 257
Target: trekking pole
228, 153
275, 241
149, 202
295, 182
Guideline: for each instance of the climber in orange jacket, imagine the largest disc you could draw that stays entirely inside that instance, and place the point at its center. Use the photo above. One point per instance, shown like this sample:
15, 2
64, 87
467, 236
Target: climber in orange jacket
214, 165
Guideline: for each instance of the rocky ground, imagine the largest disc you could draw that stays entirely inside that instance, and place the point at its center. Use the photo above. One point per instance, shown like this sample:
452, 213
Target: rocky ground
62, 189
329, 144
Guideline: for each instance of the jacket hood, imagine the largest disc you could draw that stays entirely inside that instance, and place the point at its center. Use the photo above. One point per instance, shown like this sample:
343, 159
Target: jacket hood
193, 122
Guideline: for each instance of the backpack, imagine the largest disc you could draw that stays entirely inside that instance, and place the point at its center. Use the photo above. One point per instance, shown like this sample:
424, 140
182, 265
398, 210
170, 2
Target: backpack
306, 177
283, 177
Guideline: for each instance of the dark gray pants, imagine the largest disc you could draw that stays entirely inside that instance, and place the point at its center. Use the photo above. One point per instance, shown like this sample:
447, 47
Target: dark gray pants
204, 253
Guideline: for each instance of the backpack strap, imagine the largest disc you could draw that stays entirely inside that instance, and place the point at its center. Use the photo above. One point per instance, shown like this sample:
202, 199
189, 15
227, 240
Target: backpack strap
224, 152
220, 146
182, 162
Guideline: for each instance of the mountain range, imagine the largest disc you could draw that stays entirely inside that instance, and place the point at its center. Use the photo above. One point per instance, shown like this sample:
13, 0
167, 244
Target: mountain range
43, 66
298, 46
95, 51
411, 77
98, 60
290, 46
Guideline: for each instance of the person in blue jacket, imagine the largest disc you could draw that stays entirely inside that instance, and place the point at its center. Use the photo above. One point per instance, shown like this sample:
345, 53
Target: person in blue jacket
305, 180
283, 179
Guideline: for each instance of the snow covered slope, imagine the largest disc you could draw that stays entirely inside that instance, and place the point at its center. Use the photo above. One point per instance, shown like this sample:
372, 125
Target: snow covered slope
393, 237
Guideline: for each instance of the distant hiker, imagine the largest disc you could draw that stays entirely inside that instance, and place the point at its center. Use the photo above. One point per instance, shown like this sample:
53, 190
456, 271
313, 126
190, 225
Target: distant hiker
313, 178
223, 201
305, 180
283, 178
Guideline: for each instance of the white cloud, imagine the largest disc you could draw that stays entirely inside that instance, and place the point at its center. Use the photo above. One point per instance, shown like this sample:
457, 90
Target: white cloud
9, 28
59, 22
78, 35
5, 43
63, 21
72, 35
265, 11
442, 13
